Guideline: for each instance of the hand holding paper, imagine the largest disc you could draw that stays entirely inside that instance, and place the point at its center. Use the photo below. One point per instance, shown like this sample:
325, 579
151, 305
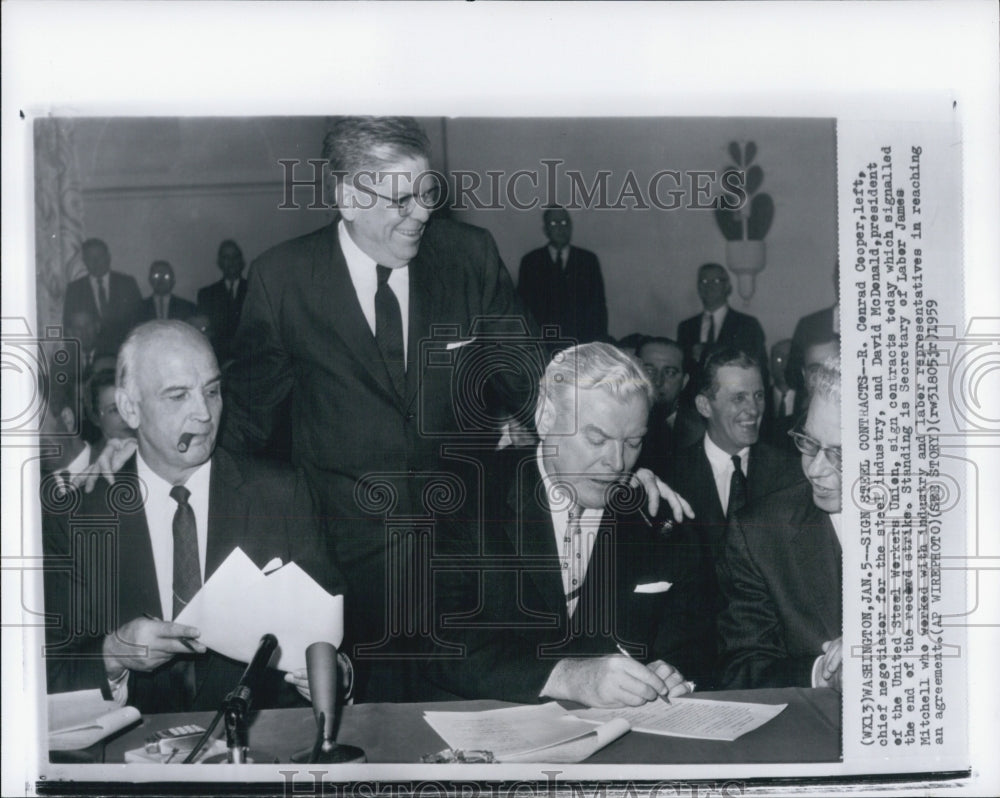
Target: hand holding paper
240, 603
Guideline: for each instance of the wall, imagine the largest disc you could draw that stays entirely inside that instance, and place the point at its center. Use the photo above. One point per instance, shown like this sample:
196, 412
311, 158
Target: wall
649, 257
173, 188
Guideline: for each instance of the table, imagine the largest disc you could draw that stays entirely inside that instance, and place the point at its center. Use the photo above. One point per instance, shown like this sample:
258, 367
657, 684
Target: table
807, 731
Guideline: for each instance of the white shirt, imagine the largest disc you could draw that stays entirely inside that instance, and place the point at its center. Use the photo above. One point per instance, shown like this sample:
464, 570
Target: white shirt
95, 286
160, 508
786, 407
565, 254
719, 315
365, 279
722, 467
590, 522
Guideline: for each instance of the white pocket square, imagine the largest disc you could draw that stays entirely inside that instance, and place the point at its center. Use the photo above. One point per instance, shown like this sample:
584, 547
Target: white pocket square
653, 587
272, 566
457, 344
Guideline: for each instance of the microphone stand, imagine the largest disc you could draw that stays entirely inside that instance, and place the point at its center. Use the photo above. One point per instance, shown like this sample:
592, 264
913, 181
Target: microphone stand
236, 712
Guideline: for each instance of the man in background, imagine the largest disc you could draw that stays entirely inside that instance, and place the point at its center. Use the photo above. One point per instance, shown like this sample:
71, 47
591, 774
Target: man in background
562, 284
109, 296
221, 302
813, 328
781, 569
671, 426
718, 325
162, 304
784, 400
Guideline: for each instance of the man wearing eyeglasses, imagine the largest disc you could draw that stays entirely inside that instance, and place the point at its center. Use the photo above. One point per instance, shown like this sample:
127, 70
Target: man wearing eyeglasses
562, 284
718, 325
780, 572
333, 323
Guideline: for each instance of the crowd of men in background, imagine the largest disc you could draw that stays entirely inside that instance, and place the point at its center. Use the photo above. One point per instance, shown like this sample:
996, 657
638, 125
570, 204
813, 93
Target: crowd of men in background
320, 353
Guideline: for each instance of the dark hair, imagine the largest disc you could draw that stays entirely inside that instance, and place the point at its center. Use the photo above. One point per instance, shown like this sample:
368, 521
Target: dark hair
90, 243
364, 142
102, 379
663, 341
708, 384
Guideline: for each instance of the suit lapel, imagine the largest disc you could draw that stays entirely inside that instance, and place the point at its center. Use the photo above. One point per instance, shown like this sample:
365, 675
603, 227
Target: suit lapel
137, 571
531, 533
423, 295
817, 552
332, 282
226, 511
705, 477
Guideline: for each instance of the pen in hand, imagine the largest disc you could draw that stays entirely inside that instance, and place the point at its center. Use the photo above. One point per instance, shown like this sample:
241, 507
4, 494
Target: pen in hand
184, 641
664, 698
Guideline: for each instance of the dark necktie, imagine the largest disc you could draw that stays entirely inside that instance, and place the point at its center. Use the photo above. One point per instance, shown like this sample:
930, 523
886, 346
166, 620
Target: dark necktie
737, 489
102, 297
187, 568
559, 260
389, 330
710, 337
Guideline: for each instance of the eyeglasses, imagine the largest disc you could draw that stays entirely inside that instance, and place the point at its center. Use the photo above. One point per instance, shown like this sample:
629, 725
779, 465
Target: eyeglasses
811, 447
558, 223
712, 280
405, 203
665, 373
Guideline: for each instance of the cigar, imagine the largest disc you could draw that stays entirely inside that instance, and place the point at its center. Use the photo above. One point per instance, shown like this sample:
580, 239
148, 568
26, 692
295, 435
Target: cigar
184, 442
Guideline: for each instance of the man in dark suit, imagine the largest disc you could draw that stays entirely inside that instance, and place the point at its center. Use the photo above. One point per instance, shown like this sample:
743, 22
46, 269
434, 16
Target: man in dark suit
162, 304
672, 424
562, 284
112, 297
731, 400
814, 328
170, 519
222, 302
363, 324
718, 325
781, 410
781, 568
550, 574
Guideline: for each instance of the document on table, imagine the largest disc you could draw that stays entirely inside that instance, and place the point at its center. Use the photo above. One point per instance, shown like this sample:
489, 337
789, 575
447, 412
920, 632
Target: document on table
690, 717
81, 718
240, 603
546, 733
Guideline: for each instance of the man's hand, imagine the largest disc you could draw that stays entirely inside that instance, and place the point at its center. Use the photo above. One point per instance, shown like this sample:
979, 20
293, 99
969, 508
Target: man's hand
110, 461
612, 681
830, 666
143, 644
300, 679
655, 489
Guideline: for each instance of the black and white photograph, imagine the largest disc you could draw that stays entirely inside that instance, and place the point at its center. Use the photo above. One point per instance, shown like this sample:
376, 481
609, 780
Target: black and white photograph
640, 437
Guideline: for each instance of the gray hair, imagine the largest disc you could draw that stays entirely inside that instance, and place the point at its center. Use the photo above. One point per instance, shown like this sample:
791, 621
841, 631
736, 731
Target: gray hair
823, 379
354, 143
593, 365
142, 337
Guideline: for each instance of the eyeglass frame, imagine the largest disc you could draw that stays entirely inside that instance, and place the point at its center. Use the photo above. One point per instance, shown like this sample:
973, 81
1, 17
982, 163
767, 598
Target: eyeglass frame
797, 435
406, 203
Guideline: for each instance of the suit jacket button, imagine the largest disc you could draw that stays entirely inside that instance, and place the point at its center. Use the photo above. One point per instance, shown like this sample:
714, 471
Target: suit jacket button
410, 416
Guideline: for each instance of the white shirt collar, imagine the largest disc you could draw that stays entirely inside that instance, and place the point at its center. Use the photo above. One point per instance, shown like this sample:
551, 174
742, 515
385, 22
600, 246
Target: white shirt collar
837, 521
361, 268
722, 467
159, 509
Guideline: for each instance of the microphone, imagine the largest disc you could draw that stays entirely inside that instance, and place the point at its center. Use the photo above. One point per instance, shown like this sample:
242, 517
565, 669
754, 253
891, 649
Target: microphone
324, 688
242, 694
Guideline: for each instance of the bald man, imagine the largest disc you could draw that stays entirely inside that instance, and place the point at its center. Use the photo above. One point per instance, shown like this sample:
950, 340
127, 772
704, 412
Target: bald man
177, 509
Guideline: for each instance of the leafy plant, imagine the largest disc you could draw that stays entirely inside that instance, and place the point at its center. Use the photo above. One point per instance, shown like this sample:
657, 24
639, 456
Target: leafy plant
753, 220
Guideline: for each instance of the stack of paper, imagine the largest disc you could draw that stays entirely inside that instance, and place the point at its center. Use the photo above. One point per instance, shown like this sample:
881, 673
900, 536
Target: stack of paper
82, 718
690, 717
545, 733
240, 603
